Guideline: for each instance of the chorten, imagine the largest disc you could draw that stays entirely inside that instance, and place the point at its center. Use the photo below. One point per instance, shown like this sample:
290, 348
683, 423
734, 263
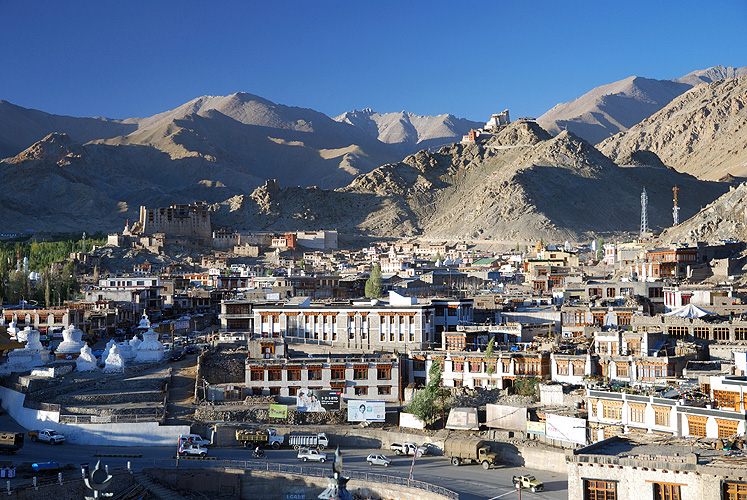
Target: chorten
86, 361
71, 343
114, 362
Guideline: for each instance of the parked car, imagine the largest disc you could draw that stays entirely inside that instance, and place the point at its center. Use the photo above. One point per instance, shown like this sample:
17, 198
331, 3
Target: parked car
178, 356
47, 436
408, 448
195, 439
192, 449
528, 482
307, 454
190, 349
374, 459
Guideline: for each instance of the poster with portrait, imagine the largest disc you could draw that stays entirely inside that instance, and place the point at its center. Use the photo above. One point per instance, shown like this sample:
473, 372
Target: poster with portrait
366, 411
316, 400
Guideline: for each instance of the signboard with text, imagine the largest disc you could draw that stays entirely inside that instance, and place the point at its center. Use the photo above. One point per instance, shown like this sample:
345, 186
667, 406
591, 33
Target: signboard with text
366, 411
316, 400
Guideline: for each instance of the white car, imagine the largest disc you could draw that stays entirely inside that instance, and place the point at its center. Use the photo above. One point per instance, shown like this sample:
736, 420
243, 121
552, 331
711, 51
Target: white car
192, 449
195, 439
374, 459
307, 454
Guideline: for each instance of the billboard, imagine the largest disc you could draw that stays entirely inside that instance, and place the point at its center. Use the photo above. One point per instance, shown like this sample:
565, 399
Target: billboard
366, 411
506, 417
566, 428
464, 418
278, 411
316, 400
411, 421
535, 427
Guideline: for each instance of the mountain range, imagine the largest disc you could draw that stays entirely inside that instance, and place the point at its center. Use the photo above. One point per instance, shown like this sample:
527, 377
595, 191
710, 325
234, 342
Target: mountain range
380, 174
615, 107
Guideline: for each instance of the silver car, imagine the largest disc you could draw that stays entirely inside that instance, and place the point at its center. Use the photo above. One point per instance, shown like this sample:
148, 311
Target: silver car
374, 459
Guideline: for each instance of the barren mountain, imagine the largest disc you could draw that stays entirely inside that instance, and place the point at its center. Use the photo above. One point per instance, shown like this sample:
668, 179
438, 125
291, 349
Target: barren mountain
521, 186
703, 132
615, 107
723, 219
22, 127
410, 132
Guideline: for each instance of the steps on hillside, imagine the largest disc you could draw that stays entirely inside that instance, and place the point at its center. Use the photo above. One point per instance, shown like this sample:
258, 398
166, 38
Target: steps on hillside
158, 490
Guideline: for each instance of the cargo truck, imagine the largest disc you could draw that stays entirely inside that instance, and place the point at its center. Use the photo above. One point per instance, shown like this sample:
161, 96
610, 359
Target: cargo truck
468, 451
253, 438
308, 440
11, 442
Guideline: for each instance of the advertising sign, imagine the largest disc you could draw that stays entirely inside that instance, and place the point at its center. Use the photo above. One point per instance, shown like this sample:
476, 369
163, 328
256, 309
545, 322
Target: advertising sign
463, 418
535, 427
278, 411
566, 428
366, 411
314, 400
506, 417
411, 421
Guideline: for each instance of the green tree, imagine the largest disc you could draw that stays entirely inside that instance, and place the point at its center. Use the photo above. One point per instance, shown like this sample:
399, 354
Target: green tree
489, 356
374, 283
600, 248
427, 402
526, 386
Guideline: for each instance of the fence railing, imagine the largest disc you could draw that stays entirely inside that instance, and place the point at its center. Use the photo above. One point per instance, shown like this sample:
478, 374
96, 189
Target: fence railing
111, 419
306, 471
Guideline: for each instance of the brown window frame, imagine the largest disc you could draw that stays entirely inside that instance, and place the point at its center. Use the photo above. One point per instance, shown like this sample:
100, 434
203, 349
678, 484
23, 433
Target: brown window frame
314, 372
600, 489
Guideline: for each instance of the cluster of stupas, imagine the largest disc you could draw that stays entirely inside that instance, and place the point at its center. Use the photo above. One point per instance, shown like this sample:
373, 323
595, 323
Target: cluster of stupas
149, 350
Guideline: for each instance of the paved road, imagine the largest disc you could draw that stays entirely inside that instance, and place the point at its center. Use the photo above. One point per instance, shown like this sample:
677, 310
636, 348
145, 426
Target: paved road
470, 481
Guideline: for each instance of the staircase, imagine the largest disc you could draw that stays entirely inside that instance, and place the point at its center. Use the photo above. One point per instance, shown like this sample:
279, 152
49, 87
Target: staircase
159, 491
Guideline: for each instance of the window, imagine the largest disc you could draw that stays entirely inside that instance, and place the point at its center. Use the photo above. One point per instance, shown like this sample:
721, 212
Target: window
274, 374
720, 333
599, 490
562, 367
727, 399
610, 292
256, 391
661, 415
611, 410
475, 366
696, 425
700, 332
294, 373
360, 372
727, 428
315, 372
385, 390
338, 372
274, 391
457, 366
740, 333
637, 413
677, 331
257, 374
384, 372
666, 491
593, 407
623, 369
361, 391
735, 491
578, 369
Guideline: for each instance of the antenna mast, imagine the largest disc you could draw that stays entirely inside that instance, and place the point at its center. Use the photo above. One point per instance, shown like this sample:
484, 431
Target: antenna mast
644, 212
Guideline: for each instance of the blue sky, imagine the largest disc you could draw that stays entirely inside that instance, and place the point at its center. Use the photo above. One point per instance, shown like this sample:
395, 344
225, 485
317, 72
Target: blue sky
138, 58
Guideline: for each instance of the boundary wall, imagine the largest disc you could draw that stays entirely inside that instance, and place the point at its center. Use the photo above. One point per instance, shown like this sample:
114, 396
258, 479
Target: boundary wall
110, 434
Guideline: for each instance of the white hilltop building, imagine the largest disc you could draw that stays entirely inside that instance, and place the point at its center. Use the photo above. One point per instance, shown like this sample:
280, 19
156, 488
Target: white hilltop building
86, 361
150, 350
71, 345
114, 361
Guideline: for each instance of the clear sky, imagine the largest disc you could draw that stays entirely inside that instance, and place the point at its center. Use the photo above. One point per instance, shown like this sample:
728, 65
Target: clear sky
138, 58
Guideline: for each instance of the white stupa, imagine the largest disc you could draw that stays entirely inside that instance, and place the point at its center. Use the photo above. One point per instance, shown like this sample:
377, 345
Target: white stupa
126, 351
31, 356
114, 362
86, 361
144, 324
71, 343
135, 342
107, 349
23, 335
150, 349
12, 331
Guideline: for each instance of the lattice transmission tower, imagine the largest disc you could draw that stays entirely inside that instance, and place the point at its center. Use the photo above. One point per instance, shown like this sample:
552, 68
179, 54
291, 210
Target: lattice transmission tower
644, 212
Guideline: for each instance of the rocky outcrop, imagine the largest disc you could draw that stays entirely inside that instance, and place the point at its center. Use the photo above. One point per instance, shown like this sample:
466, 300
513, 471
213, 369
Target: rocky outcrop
703, 132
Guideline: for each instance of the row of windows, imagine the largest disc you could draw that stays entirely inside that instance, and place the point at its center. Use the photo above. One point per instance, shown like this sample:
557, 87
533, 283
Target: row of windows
599, 489
382, 390
315, 373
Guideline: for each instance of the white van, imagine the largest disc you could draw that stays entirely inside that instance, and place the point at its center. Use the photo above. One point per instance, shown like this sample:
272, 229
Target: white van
195, 439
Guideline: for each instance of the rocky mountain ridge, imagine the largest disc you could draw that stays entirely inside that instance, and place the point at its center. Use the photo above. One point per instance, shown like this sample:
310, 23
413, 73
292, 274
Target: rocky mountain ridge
615, 107
703, 132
